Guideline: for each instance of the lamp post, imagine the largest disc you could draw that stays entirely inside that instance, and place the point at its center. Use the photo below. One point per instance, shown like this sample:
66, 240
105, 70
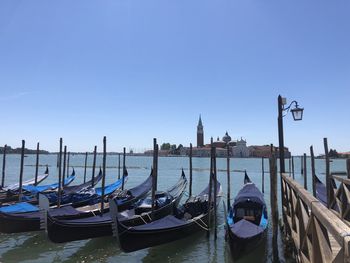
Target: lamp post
297, 116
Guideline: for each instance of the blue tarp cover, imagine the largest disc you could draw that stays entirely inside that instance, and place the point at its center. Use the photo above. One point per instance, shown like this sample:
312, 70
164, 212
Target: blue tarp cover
245, 229
19, 207
37, 189
110, 188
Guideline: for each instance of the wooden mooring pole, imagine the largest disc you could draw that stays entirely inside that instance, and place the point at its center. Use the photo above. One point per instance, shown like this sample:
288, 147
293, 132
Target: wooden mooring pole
228, 179
263, 175
290, 166
155, 172
305, 172
3, 166
210, 190
118, 166
21, 172
103, 173
293, 171
59, 175
328, 174
64, 164
85, 164
274, 206
37, 165
124, 168
313, 171
68, 164
93, 167
301, 165
215, 195
190, 186
348, 167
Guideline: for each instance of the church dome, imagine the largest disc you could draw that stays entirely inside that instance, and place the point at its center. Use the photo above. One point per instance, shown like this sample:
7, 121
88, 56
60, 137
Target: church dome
226, 138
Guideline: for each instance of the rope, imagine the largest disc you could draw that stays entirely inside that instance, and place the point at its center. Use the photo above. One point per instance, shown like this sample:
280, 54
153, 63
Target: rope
150, 219
140, 216
205, 227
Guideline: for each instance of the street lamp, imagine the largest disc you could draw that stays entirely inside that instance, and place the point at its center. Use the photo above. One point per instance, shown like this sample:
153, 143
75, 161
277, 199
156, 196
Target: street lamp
297, 116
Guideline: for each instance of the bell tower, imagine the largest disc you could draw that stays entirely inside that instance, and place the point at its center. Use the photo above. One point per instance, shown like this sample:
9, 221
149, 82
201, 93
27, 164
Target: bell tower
200, 133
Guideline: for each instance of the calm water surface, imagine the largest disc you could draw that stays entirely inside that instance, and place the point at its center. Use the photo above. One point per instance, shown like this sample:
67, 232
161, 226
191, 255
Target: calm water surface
35, 247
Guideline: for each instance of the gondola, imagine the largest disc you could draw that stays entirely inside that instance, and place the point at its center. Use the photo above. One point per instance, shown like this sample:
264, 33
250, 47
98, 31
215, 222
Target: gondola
30, 192
64, 230
31, 215
247, 221
11, 191
15, 186
191, 217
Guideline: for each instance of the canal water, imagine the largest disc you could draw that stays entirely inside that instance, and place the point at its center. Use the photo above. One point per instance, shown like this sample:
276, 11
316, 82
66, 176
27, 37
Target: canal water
35, 247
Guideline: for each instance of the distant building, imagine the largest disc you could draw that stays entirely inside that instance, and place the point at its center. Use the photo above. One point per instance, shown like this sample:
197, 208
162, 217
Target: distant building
265, 151
236, 148
240, 149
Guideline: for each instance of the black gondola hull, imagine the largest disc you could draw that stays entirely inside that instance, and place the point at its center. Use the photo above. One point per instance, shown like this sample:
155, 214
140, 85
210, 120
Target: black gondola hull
241, 246
130, 240
12, 223
60, 231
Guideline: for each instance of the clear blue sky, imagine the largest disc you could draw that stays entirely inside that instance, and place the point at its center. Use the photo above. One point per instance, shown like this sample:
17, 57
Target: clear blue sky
134, 70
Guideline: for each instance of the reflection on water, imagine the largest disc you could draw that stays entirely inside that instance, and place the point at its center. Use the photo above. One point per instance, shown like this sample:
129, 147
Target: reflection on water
34, 247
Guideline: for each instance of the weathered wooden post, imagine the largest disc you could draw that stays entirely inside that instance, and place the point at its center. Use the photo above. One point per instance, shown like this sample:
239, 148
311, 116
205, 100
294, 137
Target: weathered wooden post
210, 190
155, 172
215, 194
290, 166
103, 174
68, 164
313, 171
58, 160
328, 174
94, 167
190, 186
85, 164
118, 166
228, 179
305, 172
263, 175
301, 165
348, 167
293, 171
124, 168
59, 175
274, 206
64, 164
3, 166
36, 164
21, 172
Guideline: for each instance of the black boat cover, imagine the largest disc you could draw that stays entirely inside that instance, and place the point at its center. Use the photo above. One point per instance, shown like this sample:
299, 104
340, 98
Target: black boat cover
165, 222
245, 229
251, 193
140, 189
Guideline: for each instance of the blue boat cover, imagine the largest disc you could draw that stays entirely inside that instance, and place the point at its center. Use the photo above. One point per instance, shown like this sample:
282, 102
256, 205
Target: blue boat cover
109, 188
251, 193
19, 207
245, 229
37, 189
